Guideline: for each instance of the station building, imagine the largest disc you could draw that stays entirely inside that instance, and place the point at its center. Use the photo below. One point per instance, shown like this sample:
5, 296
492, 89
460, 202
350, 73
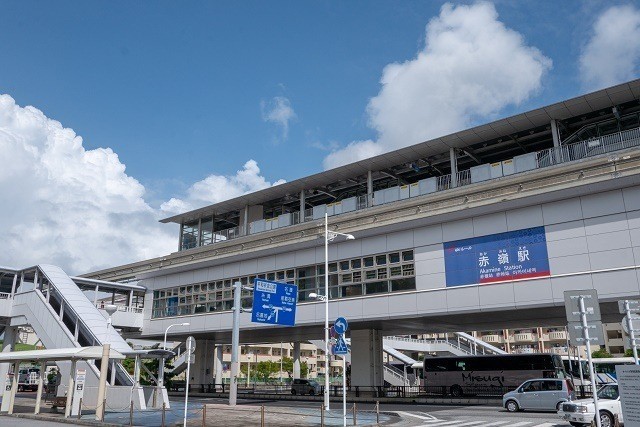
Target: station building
482, 229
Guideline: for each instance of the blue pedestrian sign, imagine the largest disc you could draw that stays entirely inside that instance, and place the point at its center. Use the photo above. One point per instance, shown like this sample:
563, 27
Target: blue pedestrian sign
274, 303
340, 325
341, 346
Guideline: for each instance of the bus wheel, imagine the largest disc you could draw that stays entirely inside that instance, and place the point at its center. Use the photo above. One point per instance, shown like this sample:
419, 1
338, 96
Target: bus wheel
456, 391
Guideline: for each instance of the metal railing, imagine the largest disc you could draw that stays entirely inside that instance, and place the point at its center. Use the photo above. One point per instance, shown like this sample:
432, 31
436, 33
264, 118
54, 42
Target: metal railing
544, 158
124, 308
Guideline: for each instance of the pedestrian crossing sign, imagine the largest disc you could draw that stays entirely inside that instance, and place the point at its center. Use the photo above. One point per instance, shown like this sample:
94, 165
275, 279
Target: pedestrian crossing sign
341, 346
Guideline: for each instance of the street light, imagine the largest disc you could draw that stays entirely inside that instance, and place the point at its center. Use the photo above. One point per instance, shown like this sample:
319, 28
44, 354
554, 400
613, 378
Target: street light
328, 237
164, 345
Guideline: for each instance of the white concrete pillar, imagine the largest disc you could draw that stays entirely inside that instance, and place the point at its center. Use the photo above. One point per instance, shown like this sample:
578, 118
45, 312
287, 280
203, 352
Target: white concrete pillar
218, 365
296, 360
245, 221
366, 358
555, 133
13, 285
303, 203
369, 189
70, 389
202, 368
43, 369
453, 159
10, 335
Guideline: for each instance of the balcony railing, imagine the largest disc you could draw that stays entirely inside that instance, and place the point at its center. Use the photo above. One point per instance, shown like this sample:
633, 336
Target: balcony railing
525, 336
558, 350
492, 338
524, 350
544, 158
558, 335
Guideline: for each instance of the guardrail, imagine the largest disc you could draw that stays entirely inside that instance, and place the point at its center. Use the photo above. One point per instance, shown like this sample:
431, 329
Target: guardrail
446, 392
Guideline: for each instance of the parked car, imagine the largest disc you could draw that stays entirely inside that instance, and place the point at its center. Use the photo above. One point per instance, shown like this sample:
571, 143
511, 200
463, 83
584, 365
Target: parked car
582, 412
543, 394
301, 386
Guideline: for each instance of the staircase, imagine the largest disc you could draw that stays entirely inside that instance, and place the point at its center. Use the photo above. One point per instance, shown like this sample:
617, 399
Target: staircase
63, 317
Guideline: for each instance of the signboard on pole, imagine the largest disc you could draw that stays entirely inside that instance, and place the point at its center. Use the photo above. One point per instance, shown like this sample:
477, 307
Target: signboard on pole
81, 376
340, 325
340, 347
572, 305
274, 303
634, 306
574, 322
629, 386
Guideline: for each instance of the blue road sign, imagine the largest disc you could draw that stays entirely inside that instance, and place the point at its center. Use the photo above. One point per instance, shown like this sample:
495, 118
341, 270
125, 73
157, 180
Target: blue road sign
274, 303
340, 325
341, 346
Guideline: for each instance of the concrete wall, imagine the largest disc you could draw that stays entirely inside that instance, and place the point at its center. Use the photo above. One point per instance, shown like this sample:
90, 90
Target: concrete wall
593, 242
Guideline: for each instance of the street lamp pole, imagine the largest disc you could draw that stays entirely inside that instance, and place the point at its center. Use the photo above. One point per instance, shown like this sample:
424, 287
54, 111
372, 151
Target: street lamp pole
164, 345
328, 236
326, 311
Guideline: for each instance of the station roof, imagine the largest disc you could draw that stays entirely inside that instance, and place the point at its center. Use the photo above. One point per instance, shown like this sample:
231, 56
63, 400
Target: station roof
581, 105
81, 353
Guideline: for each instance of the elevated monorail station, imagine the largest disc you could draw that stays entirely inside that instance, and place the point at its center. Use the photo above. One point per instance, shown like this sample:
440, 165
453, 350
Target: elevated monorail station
481, 229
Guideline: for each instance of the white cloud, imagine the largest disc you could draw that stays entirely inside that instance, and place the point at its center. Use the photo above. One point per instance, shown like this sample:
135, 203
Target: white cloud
471, 67
216, 188
66, 205
279, 112
77, 208
612, 54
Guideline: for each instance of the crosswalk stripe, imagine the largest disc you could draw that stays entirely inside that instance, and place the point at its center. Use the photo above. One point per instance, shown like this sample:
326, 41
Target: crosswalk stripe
497, 423
524, 423
545, 425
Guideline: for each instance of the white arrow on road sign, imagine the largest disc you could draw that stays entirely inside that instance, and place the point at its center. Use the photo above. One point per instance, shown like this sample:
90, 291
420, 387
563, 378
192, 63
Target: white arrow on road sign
340, 325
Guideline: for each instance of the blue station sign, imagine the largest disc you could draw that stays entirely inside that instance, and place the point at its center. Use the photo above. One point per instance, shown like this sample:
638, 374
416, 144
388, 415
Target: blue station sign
274, 303
499, 257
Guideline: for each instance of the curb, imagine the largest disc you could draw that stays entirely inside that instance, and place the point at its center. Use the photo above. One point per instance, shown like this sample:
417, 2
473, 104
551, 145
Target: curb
62, 420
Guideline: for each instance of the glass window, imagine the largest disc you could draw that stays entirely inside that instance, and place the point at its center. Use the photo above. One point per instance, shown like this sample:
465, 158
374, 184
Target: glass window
394, 257
346, 278
356, 263
376, 287
381, 259
344, 265
395, 271
403, 284
368, 261
333, 267
280, 275
291, 274
189, 235
371, 274
271, 276
407, 256
350, 291
206, 231
382, 273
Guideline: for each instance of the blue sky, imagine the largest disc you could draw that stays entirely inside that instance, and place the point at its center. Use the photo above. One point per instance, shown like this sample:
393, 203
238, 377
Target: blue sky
184, 92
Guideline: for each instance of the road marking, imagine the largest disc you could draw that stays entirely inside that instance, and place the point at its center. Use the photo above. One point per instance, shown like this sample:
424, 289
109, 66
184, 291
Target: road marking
524, 423
426, 417
546, 425
455, 423
497, 423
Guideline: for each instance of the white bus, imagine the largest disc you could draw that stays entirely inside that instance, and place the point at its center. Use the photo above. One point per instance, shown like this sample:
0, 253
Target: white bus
605, 368
487, 374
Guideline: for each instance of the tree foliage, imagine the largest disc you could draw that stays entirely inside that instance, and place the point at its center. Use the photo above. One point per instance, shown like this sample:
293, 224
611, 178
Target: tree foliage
601, 354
